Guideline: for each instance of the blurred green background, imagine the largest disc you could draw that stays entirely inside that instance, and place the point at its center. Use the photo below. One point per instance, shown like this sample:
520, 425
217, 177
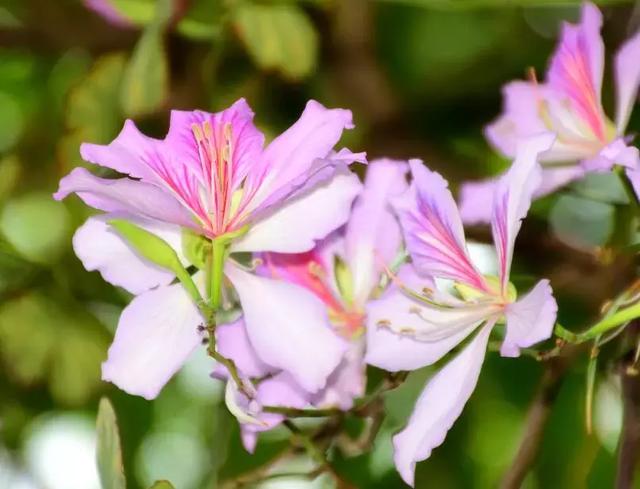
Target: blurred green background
422, 78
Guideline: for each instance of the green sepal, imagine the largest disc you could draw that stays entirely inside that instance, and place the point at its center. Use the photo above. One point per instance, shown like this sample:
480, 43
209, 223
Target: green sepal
158, 251
196, 248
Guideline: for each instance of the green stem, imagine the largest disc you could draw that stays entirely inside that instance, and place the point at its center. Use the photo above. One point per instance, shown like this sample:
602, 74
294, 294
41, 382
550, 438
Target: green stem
216, 272
628, 188
610, 322
314, 452
301, 413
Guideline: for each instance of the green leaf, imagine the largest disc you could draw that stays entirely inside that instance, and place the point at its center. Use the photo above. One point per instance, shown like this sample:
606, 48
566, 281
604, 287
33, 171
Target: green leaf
36, 226
146, 78
196, 248
44, 341
92, 112
582, 223
12, 121
278, 37
157, 251
9, 174
109, 450
139, 12
162, 485
203, 20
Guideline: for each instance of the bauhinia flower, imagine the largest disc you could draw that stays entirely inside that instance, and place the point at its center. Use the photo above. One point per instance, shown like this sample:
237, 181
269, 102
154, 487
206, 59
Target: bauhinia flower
569, 104
209, 181
322, 295
418, 320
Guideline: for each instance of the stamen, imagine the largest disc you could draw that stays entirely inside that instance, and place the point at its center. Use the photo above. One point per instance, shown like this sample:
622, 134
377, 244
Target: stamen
197, 132
384, 323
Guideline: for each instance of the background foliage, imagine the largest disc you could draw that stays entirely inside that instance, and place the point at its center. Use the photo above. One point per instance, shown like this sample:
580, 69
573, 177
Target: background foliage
421, 76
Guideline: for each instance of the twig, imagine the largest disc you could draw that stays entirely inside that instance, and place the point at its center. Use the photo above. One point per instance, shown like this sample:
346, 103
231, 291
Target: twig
629, 446
536, 421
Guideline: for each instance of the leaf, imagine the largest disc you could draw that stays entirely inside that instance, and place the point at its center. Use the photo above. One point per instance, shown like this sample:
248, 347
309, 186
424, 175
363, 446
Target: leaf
146, 78
41, 341
203, 20
582, 223
12, 121
278, 37
36, 226
9, 175
162, 485
109, 450
92, 112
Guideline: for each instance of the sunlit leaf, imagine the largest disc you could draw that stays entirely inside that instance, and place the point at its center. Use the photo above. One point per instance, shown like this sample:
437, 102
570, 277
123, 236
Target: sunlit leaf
582, 223
43, 340
203, 20
162, 485
9, 173
93, 113
11, 121
36, 226
109, 450
27, 337
278, 37
146, 78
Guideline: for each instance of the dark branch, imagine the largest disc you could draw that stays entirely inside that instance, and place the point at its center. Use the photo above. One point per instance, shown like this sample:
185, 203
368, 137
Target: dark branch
537, 418
629, 446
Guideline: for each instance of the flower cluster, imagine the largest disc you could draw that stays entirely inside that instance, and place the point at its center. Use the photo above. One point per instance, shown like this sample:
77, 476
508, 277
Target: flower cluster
297, 275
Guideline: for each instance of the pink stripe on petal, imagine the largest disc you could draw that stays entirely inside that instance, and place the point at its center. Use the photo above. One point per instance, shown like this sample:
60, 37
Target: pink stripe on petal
433, 230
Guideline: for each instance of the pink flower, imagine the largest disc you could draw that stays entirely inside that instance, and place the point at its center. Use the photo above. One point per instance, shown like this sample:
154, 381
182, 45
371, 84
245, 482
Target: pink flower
315, 301
418, 320
569, 104
211, 175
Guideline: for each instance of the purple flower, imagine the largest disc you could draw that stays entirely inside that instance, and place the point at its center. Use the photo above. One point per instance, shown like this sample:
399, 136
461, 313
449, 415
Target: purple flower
303, 322
418, 320
568, 104
210, 175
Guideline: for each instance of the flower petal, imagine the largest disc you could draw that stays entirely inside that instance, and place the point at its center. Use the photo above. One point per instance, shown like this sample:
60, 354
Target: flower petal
615, 153
520, 116
627, 73
439, 405
127, 153
373, 237
433, 230
100, 248
576, 68
396, 321
236, 122
232, 342
124, 195
347, 382
476, 197
530, 319
301, 222
287, 326
156, 334
293, 153
513, 197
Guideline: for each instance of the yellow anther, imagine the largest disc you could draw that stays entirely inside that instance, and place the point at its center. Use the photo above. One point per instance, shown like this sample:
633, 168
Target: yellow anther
384, 323
208, 130
197, 132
